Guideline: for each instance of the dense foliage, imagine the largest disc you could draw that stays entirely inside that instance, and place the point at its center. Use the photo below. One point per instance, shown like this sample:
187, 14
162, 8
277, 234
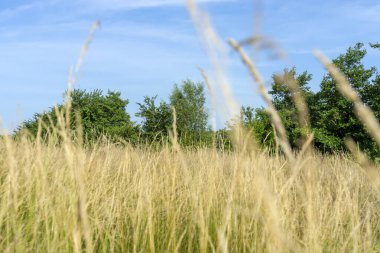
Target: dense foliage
332, 116
332, 119
189, 102
99, 115
157, 119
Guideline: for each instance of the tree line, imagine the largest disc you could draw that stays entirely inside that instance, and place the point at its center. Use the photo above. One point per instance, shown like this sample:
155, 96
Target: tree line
332, 118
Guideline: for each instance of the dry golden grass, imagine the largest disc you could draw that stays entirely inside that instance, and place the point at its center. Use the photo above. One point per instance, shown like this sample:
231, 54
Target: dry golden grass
123, 199
110, 198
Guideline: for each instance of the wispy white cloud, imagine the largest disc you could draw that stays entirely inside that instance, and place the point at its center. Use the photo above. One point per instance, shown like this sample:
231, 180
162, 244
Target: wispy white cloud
368, 12
27, 7
10, 12
135, 4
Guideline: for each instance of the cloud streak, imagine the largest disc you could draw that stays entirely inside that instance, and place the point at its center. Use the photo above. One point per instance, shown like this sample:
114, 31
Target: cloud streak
133, 4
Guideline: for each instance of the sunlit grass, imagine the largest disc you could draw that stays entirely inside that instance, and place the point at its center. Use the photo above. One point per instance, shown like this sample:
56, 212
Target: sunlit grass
137, 200
61, 196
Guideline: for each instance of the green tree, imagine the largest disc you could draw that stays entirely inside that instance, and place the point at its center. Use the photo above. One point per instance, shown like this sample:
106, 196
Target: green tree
372, 92
100, 115
333, 116
247, 116
375, 45
282, 96
157, 119
189, 100
262, 127
284, 102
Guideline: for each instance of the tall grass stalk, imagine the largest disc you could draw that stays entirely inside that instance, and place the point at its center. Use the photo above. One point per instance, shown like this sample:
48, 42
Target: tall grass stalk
59, 196
127, 199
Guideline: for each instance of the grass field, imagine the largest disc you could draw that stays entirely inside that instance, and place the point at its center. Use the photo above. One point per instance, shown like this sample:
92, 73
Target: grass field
64, 197
121, 199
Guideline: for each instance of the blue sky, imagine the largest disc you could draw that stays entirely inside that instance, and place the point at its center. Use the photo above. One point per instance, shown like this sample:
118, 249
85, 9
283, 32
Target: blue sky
145, 46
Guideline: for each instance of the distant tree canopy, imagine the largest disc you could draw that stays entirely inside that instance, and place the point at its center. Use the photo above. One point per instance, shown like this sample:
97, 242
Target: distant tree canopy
331, 116
283, 102
189, 100
156, 119
99, 115
106, 115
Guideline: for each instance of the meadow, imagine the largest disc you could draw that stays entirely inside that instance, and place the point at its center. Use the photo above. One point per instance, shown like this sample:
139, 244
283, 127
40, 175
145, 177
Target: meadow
60, 195
109, 198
